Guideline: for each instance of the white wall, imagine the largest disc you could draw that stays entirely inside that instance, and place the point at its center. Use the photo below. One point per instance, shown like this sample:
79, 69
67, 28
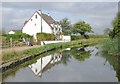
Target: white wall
49, 42
32, 30
66, 38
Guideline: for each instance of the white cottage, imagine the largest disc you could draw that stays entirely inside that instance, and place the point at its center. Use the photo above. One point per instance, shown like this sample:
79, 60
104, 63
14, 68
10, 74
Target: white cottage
13, 31
40, 22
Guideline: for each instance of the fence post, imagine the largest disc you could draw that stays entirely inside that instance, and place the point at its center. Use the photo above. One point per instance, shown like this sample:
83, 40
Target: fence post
11, 42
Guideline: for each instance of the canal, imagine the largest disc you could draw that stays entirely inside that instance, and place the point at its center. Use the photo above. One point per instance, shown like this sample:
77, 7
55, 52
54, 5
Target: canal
73, 64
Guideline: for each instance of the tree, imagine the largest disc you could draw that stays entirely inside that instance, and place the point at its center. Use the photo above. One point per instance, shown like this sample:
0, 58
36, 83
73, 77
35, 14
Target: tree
116, 27
66, 26
107, 31
81, 27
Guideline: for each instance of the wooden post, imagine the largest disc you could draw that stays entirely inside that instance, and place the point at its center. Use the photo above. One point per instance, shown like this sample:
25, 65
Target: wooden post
11, 42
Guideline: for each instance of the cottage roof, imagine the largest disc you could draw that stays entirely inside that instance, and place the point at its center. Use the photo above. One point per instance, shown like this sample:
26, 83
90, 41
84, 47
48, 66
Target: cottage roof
48, 19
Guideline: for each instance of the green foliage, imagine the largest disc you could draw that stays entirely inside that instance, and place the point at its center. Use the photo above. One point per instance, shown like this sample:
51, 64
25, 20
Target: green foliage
111, 46
98, 36
16, 36
66, 26
81, 27
116, 27
74, 37
45, 37
107, 31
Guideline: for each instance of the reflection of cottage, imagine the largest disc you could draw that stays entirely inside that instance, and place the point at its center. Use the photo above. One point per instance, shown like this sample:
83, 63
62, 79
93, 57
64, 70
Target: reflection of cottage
13, 31
40, 22
45, 63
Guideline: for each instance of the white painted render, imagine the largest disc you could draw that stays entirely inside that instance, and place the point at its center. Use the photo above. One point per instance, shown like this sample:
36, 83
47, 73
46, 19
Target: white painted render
32, 30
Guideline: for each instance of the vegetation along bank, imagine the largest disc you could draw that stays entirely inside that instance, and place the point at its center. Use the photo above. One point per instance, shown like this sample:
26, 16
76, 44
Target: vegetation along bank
15, 57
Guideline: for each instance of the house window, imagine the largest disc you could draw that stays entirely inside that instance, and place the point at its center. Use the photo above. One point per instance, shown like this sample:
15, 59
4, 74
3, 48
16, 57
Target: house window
31, 19
59, 29
36, 16
56, 29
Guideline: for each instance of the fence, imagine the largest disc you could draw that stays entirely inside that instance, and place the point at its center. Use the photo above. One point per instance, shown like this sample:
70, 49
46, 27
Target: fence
13, 43
7, 45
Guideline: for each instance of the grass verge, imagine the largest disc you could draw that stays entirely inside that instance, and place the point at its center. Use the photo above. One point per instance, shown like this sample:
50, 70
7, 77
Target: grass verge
17, 55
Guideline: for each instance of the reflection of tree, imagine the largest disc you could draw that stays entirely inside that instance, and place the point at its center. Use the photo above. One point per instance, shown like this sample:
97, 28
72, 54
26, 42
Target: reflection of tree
66, 56
80, 54
113, 61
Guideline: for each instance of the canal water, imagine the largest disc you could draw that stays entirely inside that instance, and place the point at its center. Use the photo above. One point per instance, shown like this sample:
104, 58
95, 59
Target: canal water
73, 64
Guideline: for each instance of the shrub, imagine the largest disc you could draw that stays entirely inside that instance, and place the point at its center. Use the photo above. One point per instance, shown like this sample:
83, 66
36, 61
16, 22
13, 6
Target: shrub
111, 46
74, 37
16, 36
45, 37
98, 36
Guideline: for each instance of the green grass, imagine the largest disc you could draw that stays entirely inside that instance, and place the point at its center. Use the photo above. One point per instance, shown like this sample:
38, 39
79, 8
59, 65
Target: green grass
111, 46
16, 55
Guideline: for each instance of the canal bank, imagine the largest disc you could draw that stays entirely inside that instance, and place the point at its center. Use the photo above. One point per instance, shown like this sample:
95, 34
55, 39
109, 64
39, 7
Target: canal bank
12, 59
75, 64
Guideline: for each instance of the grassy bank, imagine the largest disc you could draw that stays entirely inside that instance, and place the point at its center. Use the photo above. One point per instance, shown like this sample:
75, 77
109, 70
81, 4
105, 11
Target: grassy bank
110, 46
17, 55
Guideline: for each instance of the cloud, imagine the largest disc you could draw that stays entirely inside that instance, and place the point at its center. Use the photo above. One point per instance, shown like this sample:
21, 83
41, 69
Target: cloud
14, 20
98, 14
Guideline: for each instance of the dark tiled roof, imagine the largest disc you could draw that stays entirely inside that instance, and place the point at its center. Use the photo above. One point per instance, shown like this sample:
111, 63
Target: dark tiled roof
48, 19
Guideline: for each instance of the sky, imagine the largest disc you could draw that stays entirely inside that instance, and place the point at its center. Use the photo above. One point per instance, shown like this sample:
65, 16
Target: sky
98, 14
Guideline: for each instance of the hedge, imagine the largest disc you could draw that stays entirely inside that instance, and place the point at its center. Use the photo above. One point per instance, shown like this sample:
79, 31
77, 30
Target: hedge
74, 37
45, 37
16, 36
98, 36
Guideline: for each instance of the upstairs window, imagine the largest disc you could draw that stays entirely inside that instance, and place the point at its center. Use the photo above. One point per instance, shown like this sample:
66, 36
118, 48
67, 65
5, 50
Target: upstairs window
56, 29
36, 16
31, 19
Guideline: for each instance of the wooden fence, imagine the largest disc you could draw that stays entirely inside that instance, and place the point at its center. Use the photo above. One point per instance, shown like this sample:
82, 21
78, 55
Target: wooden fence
7, 45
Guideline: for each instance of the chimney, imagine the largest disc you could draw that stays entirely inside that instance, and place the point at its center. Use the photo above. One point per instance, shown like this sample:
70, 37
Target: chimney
48, 14
40, 11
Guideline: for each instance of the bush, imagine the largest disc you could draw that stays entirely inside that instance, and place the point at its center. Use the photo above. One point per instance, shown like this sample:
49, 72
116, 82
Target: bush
16, 36
74, 37
111, 46
45, 37
98, 36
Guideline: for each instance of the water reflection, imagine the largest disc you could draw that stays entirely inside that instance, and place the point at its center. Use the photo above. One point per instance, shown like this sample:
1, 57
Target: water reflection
45, 63
113, 61
72, 66
80, 53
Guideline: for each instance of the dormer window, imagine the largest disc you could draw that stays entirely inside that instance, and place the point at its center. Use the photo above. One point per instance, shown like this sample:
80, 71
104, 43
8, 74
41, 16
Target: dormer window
36, 16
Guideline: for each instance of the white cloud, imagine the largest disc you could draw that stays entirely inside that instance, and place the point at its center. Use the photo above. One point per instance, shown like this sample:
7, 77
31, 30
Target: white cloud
14, 20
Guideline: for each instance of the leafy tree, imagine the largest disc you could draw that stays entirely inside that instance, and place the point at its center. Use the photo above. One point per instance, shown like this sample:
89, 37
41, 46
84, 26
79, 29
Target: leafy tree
81, 27
107, 31
66, 26
116, 27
